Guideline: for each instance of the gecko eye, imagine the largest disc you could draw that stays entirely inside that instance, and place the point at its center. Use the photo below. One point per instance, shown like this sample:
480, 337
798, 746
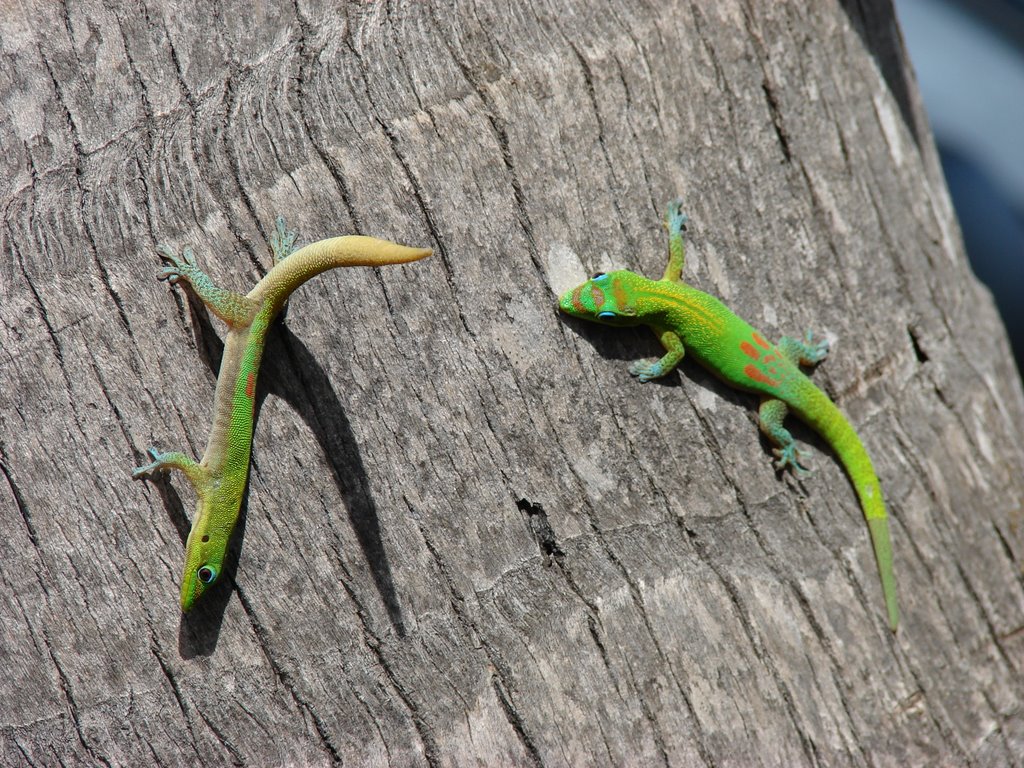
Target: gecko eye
207, 574
606, 314
597, 275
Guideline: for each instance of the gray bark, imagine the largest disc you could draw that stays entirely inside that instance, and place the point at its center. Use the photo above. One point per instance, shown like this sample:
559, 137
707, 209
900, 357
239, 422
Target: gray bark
470, 537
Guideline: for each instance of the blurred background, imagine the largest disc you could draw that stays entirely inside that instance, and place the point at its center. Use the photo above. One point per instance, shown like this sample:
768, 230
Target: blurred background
969, 60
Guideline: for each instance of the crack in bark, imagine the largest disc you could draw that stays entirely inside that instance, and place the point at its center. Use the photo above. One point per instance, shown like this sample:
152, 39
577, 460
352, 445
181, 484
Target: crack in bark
588, 79
742, 612
417, 190
176, 692
22, 506
516, 721
636, 597
768, 86
69, 697
307, 60
236, 756
263, 638
79, 174
500, 130
500, 674
375, 644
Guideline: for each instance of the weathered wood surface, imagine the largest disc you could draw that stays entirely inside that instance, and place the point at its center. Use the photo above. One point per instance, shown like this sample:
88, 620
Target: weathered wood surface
471, 538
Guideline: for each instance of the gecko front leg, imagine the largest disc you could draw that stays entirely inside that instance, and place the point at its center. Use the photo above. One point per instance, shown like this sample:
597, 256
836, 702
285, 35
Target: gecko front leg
646, 370
163, 462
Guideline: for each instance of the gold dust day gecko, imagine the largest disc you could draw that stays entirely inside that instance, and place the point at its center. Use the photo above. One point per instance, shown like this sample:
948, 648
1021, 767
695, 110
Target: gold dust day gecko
688, 320
219, 478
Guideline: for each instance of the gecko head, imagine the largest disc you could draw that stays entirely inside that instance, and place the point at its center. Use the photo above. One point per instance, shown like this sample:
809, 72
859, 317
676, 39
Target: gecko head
203, 563
607, 297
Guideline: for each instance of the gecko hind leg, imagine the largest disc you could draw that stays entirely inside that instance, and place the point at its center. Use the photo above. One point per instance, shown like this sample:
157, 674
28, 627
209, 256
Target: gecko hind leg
787, 455
233, 308
806, 351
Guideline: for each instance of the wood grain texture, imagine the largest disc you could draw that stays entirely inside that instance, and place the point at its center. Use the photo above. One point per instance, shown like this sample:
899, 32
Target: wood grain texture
470, 537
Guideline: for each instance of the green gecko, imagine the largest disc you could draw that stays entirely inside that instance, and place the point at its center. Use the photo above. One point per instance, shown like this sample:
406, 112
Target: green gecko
686, 319
219, 479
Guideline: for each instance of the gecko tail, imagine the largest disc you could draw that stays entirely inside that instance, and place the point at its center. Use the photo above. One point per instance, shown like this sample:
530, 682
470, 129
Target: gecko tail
346, 251
823, 415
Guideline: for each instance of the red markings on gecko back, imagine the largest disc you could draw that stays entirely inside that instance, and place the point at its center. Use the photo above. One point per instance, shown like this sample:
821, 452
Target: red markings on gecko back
752, 351
755, 372
250, 385
756, 375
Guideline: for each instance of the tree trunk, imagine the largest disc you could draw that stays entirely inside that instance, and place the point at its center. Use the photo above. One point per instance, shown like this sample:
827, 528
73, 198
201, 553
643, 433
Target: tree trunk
470, 537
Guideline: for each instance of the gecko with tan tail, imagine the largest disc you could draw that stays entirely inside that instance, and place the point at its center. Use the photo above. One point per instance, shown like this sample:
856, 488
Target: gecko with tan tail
219, 479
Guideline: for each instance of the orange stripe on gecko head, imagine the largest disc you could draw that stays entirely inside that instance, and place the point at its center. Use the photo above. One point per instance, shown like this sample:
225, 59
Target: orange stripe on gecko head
576, 303
756, 375
250, 385
760, 342
597, 296
749, 351
619, 292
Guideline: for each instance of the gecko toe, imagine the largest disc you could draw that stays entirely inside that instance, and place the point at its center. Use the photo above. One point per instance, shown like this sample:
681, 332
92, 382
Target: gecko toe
793, 459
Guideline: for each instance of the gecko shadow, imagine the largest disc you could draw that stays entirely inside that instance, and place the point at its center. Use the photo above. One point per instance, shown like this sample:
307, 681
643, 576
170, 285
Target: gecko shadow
288, 368
291, 368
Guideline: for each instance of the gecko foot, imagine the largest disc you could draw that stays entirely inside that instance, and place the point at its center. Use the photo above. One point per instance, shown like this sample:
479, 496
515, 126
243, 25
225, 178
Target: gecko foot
282, 242
814, 351
177, 266
646, 370
164, 461
675, 219
154, 466
791, 458
804, 351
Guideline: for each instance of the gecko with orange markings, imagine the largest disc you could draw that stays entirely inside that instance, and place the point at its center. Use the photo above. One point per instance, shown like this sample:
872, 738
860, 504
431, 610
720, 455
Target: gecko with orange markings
686, 319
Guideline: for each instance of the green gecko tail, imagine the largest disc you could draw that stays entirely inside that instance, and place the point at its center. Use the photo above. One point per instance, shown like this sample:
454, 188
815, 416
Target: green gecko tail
821, 413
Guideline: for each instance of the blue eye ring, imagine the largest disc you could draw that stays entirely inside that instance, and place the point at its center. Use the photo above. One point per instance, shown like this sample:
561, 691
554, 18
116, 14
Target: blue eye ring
606, 314
207, 574
598, 275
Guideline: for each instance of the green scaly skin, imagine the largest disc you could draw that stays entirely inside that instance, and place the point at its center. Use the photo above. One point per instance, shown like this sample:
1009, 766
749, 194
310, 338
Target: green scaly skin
219, 479
688, 320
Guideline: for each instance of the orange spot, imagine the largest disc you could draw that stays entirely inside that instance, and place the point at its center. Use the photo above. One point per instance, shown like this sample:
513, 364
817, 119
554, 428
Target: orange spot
759, 341
597, 295
250, 385
756, 375
749, 351
770, 358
